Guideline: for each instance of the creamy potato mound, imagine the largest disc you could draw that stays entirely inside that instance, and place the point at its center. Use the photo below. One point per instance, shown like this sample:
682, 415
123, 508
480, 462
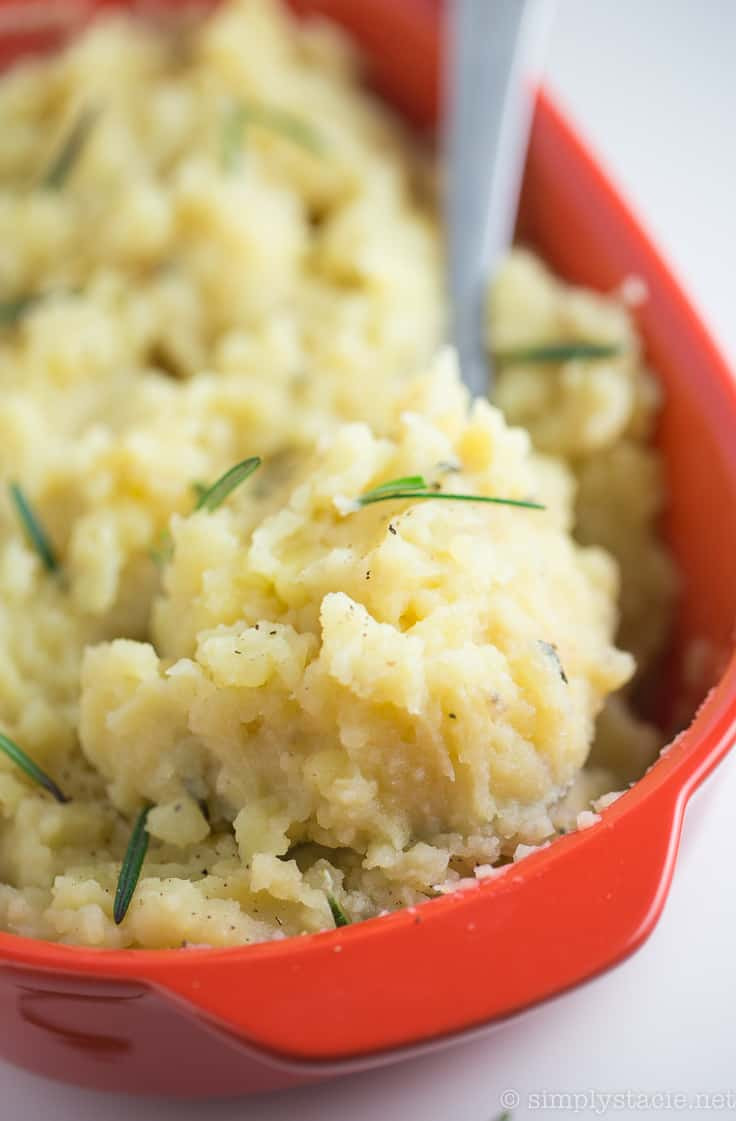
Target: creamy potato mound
317, 699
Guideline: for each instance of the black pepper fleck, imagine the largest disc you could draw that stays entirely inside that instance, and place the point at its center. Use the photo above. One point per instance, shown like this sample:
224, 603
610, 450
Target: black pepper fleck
392, 529
551, 649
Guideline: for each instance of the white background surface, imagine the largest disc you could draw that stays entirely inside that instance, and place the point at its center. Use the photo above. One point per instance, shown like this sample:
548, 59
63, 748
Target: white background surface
653, 85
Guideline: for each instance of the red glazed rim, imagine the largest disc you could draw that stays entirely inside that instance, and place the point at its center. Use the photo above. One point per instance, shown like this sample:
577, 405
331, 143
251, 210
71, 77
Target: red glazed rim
462, 960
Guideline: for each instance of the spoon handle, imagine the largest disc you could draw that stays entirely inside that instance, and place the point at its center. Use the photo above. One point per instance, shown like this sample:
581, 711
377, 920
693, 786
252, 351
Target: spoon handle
488, 108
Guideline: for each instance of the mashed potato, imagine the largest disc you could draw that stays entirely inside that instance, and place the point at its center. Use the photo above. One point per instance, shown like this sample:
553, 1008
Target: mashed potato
317, 699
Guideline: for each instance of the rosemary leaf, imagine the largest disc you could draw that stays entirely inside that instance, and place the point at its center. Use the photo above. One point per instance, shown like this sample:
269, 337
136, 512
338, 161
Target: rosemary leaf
290, 125
418, 495
131, 867
415, 487
239, 117
162, 551
409, 482
11, 311
208, 498
32, 769
71, 149
338, 914
557, 352
35, 531
214, 496
232, 138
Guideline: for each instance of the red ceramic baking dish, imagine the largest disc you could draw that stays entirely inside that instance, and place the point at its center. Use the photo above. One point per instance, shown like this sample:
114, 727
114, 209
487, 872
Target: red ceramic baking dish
209, 1022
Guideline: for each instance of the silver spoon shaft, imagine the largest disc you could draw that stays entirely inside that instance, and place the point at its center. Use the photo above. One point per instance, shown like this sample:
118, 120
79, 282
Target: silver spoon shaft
488, 107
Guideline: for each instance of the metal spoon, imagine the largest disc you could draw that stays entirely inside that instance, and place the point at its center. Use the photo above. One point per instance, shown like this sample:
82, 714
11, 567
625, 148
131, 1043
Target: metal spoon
494, 45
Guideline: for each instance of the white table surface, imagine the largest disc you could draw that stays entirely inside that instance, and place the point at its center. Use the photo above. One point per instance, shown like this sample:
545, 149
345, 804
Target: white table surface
653, 84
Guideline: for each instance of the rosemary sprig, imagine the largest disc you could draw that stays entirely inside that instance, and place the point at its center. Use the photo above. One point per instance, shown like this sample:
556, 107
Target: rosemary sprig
130, 870
239, 117
32, 769
212, 497
35, 531
71, 149
416, 487
557, 352
338, 915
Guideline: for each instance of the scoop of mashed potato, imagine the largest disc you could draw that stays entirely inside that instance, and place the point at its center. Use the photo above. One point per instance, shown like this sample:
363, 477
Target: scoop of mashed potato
316, 698
363, 678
